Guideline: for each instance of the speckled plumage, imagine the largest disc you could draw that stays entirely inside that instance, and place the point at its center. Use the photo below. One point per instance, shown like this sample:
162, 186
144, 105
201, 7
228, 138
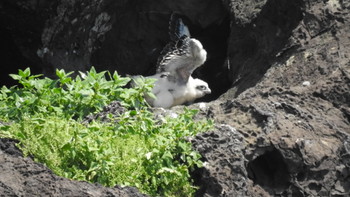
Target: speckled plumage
183, 54
177, 61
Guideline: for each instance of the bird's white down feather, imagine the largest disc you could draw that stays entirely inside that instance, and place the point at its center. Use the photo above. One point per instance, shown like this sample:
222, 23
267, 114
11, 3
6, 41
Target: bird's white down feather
169, 93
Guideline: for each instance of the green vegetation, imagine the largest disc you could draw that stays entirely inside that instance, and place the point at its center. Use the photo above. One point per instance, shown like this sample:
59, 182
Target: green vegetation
134, 149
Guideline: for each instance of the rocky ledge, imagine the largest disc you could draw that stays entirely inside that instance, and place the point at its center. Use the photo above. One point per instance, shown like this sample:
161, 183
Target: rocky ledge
279, 71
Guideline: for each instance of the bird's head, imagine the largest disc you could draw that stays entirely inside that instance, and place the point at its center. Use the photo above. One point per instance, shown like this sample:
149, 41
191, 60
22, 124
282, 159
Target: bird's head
201, 88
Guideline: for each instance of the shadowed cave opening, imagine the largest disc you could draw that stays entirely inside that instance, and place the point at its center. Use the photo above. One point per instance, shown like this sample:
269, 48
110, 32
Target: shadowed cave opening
215, 41
269, 170
12, 59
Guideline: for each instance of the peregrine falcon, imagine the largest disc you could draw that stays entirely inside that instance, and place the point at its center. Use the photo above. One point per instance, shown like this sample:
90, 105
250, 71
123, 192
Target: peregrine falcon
170, 93
180, 57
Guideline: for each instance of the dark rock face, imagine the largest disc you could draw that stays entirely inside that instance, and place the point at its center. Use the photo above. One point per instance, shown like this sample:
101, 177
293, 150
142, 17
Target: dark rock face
254, 46
21, 25
230, 179
279, 71
294, 120
24, 177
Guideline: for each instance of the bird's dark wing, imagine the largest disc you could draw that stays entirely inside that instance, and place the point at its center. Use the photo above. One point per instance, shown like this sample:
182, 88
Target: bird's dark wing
176, 55
173, 52
177, 28
176, 58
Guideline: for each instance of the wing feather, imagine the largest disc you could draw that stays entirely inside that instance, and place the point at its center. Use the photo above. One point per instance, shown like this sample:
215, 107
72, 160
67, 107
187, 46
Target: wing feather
177, 28
182, 55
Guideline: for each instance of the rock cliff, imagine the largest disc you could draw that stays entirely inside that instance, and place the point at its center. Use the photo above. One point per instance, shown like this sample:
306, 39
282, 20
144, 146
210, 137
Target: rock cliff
279, 71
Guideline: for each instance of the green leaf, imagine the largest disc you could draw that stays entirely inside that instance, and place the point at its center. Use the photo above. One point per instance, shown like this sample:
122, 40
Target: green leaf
15, 77
25, 73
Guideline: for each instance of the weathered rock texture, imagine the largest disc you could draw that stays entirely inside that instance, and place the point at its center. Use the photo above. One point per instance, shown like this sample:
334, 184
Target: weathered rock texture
283, 122
294, 121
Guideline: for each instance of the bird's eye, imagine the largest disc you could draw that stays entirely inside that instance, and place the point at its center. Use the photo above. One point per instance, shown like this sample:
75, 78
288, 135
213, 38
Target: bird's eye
201, 87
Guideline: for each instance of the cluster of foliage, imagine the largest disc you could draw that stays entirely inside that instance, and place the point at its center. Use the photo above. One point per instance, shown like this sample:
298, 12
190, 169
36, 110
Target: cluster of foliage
67, 97
45, 115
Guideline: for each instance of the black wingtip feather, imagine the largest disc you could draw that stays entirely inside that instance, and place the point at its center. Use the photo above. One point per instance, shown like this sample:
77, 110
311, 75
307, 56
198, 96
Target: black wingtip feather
177, 28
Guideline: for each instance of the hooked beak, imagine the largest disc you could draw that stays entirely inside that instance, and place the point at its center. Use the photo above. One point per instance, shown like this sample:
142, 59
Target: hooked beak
208, 91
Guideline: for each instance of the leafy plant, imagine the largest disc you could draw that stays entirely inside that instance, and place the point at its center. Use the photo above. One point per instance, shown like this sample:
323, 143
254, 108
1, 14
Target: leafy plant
65, 96
137, 151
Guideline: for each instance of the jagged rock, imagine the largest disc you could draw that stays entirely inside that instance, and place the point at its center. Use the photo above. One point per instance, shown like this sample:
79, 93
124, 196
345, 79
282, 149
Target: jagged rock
222, 148
296, 136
